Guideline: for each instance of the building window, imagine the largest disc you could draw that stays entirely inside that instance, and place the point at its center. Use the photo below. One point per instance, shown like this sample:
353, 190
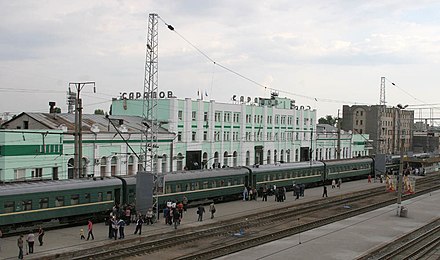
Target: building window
194, 115
205, 135
193, 136
217, 116
205, 116
25, 124
180, 115
179, 136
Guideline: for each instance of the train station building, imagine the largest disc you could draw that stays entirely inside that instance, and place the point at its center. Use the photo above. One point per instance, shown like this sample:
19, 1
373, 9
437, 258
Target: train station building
193, 134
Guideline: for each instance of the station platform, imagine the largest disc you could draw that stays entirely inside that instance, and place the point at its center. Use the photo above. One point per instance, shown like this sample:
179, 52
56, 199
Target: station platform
350, 238
68, 239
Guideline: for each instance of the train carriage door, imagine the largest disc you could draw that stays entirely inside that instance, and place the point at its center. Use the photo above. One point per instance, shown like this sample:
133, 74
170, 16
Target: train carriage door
246, 181
117, 196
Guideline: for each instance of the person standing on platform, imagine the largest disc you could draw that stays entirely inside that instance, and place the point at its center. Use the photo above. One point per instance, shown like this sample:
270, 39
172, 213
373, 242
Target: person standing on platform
324, 193
121, 224
200, 211
333, 183
139, 223
185, 203
176, 217
31, 240
40, 236
339, 183
212, 210
264, 192
369, 178
115, 227
149, 216
20, 247
245, 194
302, 187
81, 233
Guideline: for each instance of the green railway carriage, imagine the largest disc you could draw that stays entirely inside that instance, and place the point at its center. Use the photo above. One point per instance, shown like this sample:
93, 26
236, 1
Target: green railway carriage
349, 168
285, 174
32, 203
216, 184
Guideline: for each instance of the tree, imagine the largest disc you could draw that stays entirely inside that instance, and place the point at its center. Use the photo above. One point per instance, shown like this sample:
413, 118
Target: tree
328, 119
57, 110
99, 112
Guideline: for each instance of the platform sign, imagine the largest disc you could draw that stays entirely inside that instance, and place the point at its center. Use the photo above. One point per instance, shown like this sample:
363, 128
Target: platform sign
408, 184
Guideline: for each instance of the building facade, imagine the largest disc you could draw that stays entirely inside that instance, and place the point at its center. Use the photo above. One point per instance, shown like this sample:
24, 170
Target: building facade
382, 125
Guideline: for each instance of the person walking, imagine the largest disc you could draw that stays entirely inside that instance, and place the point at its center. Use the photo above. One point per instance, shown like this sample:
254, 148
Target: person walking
333, 183
139, 223
200, 211
20, 247
81, 233
40, 236
90, 230
212, 210
324, 193
185, 203
31, 240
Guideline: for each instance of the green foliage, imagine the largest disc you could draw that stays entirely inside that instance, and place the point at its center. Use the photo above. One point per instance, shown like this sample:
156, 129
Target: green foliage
99, 112
328, 119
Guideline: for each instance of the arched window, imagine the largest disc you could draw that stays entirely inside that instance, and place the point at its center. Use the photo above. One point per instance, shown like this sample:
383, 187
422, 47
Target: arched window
275, 158
234, 159
179, 162
282, 155
84, 164
216, 163
164, 163
205, 160
103, 165
288, 155
248, 158
268, 157
130, 165
70, 165
225, 159
114, 162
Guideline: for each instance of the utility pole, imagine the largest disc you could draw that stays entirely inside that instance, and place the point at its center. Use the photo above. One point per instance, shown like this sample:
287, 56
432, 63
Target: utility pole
77, 167
400, 174
338, 152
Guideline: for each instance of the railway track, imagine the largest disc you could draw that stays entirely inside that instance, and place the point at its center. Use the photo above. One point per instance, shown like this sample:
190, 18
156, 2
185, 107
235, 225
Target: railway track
220, 238
419, 244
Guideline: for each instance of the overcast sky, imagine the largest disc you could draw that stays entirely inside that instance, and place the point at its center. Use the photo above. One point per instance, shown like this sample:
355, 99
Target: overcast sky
320, 53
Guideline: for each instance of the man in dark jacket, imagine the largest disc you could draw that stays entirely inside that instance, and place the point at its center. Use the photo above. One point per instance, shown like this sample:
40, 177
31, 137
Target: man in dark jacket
200, 211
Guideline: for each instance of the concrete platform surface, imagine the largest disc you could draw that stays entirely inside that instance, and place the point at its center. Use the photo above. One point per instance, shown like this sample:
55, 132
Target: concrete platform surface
350, 238
68, 239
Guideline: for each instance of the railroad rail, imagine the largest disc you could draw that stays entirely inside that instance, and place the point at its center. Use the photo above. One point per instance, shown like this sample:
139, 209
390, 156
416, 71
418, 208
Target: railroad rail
414, 245
219, 238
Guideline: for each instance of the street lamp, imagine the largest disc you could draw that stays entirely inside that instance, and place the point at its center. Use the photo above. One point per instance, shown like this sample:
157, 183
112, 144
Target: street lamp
400, 107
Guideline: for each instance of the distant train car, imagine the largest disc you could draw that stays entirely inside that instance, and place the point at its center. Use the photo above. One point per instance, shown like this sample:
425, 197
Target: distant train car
32, 203
216, 184
285, 174
349, 168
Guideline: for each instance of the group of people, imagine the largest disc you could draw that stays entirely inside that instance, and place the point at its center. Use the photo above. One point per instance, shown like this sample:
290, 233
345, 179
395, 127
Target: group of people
30, 240
249, 193
334, 184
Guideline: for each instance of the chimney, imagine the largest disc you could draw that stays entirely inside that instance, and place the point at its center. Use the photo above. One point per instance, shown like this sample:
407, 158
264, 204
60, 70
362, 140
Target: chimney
52, 107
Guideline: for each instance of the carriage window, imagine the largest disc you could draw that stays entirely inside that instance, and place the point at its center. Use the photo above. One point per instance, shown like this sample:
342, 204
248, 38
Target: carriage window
59, 201
235, 182
214, 184
186, 187
9, 206
168, 189
109, 195
44, 203
26, 204
100, 197
87, 198
178, 188
241, 181
74, 199
229, 182
222, 183
205, 184
197, 186
193, 185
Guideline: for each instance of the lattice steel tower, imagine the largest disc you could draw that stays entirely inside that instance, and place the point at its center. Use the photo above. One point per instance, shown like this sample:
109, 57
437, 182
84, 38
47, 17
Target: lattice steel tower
382, 107
150, 96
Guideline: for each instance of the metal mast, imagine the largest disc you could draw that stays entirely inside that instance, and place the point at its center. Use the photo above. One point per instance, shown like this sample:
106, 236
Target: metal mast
382, 107
149, 107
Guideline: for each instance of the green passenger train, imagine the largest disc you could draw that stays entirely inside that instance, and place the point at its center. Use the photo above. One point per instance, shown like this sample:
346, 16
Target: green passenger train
73, 201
